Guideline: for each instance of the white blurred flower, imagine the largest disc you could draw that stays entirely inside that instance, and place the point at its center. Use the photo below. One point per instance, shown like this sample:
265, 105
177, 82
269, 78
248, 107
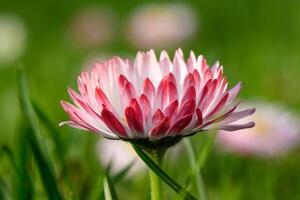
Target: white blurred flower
12, 39
92, 26
276, 132
120, 155
161, 25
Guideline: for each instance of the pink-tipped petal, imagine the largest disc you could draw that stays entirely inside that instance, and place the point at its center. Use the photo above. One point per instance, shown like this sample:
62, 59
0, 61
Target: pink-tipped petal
79, 101
171, 109
71, 111
219, 105
209, 95
204, 92
137, 109
188, 81
179, 66
239, 115
167, 91
161, 128
73, 124
191, 62
234, 92
148, 89
207, 75
158, 116
199, 116
222, 116
165, 63
145, 105
179, 125
197, 78
113, 123
189, 94
133, 121
102, 99
234, 127
186, 109
127, 90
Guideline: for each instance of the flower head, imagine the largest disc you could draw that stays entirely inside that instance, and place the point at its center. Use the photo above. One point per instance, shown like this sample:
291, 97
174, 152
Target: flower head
276, 132
151, 101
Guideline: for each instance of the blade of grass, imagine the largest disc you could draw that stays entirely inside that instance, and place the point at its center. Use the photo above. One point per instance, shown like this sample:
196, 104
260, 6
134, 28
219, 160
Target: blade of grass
53, 131
25, 104
116, 178
44, 167
109, 189
161, 174
6, 151
201, 158
3, 189
46, 173
120, 175
205, 151
97, 190
180, 196
196, 172
59, 147
24, 183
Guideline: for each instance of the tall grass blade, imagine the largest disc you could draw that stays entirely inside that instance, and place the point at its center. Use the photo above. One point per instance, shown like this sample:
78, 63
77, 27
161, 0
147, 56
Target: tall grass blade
196, 171
109, 189
116, 178
205, 151
53, 131
24, 184
4, 193
44, 167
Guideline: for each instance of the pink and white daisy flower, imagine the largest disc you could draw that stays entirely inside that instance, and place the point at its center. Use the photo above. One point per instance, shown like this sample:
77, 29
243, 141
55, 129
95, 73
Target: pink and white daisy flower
276, 133
153, 101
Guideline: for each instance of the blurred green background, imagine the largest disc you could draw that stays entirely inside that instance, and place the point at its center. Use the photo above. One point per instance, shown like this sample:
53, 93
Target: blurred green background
257, 41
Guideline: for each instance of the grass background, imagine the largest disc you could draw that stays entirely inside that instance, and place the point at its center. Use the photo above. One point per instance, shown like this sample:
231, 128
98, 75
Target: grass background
257, 41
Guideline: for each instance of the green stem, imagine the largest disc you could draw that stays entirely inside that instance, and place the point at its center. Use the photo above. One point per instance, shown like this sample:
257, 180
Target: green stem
155, 182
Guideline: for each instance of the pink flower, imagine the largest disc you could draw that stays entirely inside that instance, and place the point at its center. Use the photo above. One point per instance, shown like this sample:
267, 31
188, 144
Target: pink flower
92, 27
151, 101
276, 133
173, 24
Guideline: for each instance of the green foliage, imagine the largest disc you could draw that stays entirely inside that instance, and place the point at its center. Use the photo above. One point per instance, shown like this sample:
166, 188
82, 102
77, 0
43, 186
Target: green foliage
109, 189
256, 41
159, 172
31, 132
53, 131
196, 172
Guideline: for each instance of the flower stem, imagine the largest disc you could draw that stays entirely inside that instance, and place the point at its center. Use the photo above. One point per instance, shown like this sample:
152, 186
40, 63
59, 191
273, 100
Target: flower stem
155, 182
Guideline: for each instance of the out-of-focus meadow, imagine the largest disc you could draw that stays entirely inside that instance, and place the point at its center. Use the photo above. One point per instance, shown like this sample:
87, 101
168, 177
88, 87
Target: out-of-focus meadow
256, 41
